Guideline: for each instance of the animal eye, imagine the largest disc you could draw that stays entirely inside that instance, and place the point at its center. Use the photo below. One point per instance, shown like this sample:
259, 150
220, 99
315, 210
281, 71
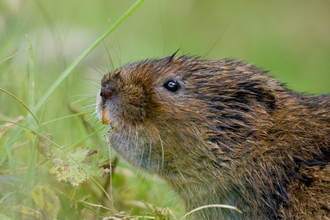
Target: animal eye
106, 93
172, 86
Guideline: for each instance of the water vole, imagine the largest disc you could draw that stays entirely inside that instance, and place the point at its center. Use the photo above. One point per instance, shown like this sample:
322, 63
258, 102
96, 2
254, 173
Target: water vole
222, 132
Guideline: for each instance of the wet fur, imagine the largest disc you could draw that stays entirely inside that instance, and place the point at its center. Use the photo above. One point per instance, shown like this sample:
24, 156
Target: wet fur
231, 135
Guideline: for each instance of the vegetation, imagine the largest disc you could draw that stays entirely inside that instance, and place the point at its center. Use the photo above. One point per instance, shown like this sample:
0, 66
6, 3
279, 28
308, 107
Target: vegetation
54, 158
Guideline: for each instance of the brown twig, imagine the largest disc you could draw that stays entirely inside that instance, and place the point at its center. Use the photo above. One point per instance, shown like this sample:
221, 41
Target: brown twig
5, 127
21, 103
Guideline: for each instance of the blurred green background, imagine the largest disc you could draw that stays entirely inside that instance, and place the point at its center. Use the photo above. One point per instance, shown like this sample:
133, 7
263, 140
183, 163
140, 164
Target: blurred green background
289, 38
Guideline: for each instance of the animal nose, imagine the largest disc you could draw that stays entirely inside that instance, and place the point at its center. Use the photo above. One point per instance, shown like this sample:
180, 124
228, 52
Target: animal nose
107, 93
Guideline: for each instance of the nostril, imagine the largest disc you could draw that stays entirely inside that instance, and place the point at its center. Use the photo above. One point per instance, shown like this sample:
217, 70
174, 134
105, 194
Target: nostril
107, 93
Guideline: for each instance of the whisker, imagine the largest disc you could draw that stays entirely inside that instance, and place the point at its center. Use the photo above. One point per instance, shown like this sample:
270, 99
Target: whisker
110, 58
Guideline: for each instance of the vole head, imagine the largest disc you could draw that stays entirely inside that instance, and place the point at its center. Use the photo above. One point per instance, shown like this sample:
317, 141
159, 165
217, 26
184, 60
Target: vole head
141, 92
174, 106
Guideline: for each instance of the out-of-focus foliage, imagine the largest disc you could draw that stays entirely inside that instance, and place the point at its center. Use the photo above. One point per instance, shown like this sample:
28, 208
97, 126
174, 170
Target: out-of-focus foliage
76, 168
289, 38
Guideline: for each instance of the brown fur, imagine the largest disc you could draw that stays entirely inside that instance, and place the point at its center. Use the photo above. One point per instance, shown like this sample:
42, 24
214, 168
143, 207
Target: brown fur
230, 135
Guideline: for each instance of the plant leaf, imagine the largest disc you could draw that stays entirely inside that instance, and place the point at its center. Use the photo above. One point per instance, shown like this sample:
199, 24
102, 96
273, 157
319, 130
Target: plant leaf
45, 146
46, 201
4, 217
67, 170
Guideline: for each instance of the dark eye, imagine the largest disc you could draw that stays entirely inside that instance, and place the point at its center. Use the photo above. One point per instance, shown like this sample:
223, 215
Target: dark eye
107, 93
172, 86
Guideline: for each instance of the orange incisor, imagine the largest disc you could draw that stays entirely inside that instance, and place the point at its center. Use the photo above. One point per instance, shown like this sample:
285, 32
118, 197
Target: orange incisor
105, 119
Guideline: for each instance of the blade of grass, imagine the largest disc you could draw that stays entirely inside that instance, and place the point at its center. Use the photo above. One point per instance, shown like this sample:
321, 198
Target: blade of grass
10, 159
143, 217
68, 116
64, 151
4, 217
13, 138
169, 210
5, 197
211, 206
31, 75
68, 70
12, 166
31, 169
110, 162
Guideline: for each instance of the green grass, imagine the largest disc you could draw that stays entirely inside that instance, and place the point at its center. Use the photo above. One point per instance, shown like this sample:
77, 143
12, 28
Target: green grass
24, 200
65, 61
